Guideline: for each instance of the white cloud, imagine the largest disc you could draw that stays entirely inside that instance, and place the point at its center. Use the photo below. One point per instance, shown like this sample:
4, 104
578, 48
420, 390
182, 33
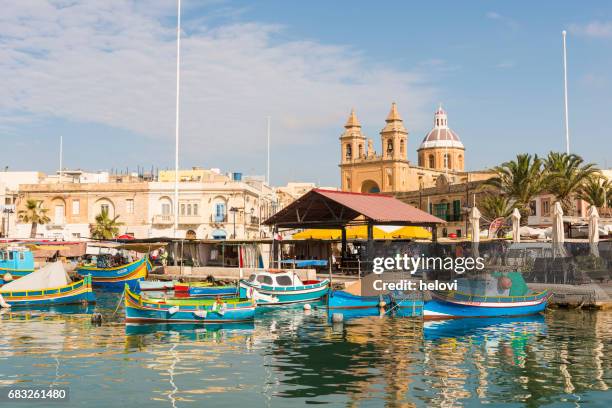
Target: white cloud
113, 62
507, 21
594, 29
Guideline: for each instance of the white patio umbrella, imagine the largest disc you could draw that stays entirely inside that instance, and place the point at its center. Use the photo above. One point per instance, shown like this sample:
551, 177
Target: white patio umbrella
594, 230
558, 233
475, 223
516, 225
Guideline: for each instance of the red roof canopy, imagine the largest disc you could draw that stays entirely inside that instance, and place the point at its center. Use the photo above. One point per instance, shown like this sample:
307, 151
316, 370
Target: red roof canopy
328, 208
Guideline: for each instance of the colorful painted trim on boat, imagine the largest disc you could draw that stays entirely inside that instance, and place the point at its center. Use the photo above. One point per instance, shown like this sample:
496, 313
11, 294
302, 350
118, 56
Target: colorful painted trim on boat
143, 310
77, 292
287, 294
116, 277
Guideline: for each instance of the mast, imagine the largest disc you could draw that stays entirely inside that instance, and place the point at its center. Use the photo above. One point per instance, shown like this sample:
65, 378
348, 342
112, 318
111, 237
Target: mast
176, 139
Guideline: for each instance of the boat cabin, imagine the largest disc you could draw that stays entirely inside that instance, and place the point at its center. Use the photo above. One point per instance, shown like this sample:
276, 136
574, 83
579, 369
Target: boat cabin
14, 259
280, 278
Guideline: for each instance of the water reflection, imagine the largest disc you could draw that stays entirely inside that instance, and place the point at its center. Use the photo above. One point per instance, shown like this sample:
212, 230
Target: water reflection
291, 357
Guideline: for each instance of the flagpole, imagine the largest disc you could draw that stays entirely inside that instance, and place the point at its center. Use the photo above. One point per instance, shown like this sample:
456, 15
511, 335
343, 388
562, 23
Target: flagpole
567, 143
268, 161
176, 141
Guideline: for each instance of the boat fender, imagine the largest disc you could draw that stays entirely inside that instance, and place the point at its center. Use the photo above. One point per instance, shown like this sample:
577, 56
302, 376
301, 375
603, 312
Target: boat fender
201, 313
173, 310
96, 319
220, 307
7, 277
3, 303
337, 317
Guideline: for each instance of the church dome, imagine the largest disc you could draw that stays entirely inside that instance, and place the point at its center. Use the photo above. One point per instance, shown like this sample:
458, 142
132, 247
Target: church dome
441, 135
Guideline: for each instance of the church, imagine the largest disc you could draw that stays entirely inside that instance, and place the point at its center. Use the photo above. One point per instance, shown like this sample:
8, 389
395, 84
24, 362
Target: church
363, 170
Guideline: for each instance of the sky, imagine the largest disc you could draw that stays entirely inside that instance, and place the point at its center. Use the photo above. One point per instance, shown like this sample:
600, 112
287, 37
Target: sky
102, 74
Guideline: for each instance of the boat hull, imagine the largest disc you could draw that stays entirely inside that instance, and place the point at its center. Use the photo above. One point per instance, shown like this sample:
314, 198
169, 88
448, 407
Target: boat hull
441, 307
139, 310
213, 291
76, 293
339, 299
286, 295
114, 279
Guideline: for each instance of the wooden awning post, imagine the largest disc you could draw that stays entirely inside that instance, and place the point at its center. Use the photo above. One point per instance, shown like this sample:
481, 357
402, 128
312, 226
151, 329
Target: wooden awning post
434, 233
343, 246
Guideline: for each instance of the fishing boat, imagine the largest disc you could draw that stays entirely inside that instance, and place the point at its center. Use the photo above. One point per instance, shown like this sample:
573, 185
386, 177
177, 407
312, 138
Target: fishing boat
156, 285
139, 309
495, 294
204, 289
114, 278
398, 303
282, 287
47, 286
454, 304
16, 261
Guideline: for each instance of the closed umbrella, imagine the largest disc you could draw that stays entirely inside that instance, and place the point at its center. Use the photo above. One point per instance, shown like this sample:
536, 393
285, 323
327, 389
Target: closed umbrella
475, 223
594, 230
516, 225
558, 233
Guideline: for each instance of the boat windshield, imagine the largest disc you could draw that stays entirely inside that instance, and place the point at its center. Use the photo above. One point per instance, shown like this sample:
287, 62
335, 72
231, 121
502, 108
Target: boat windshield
264, 279
253, 278
283, 280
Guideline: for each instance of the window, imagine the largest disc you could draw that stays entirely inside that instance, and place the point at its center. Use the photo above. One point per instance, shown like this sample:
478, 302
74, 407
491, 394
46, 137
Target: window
188, 209
265, 279
1, 256
545, 207
182, 209
165, 207
456, 216
253, 278
349, 151
360, 150
447, 161
532, 207
104, 208
59, 214
76, 207
283, 280
21, 256
195, 209
220, 212
432, 161
129, 206
389, 147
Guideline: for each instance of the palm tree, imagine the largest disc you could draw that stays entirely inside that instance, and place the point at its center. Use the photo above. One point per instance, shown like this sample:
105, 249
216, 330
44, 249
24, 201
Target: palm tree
494, 206
105, 227
519, 180
566, 175
596, 190
35, 214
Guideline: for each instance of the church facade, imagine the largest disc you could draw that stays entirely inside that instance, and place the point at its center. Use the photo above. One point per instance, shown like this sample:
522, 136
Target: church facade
363, 170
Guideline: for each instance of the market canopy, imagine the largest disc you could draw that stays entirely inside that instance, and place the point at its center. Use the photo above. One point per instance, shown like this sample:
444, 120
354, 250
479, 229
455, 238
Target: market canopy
136, 246
361, 232
335, 209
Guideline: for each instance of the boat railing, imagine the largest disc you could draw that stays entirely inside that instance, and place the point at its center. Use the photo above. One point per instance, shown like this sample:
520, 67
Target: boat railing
480, 298
86, 281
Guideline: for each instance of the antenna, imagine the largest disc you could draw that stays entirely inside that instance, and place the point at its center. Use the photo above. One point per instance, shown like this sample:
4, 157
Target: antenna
567, 143
176, 139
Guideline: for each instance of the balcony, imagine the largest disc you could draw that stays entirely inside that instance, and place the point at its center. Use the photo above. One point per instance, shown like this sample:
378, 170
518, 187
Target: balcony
163, 219
218, 219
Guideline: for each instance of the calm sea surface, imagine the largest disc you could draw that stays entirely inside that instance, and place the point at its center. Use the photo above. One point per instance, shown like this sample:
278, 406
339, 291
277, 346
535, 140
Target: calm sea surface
290, 357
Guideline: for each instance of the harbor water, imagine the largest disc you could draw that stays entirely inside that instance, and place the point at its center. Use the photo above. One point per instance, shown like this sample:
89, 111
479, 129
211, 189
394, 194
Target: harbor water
291, 357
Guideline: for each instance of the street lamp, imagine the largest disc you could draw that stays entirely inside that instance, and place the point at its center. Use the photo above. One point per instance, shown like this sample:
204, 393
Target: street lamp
8, 212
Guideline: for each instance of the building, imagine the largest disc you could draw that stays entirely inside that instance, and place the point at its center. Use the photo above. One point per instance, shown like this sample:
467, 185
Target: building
363, 170
9, 190
211, 206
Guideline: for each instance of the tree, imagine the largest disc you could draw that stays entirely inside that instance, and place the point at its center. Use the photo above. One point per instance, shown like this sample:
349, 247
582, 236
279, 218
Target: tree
519, 180
566, 175
34, 214
595, 190
494, 206
105, 227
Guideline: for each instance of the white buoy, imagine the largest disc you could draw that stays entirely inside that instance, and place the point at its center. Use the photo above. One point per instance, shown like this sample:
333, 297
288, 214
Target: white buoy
307, 306
7, 277
337, 317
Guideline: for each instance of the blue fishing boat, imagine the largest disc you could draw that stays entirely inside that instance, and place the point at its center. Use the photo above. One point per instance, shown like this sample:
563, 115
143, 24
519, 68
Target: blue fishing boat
114, 278
47, 286
15, 260
448, 305
140, 309
339, 299
272, 287
213, 291
398, 303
